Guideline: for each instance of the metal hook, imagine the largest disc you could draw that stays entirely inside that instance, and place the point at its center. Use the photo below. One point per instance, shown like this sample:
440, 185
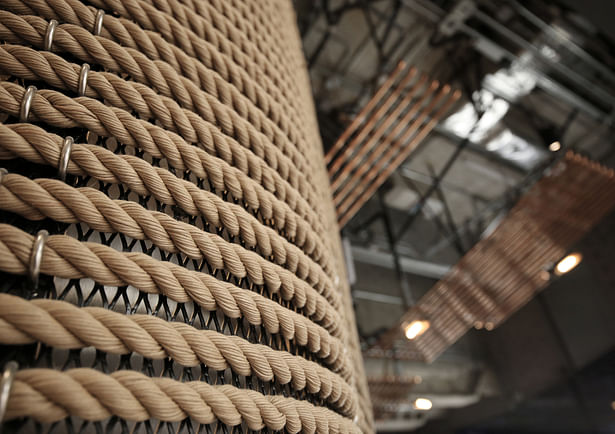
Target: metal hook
5, 386
65, 157
36, 257
100, 14
26, 103
83, 79
51, 31
3, 172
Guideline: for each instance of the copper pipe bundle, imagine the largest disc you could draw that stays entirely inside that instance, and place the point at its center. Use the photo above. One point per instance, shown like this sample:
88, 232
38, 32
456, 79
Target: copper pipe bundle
502, 272
392, 124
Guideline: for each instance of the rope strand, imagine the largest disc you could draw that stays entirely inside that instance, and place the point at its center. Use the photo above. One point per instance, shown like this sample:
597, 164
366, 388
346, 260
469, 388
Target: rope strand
40, 198
49, 396
36, 145
62, 325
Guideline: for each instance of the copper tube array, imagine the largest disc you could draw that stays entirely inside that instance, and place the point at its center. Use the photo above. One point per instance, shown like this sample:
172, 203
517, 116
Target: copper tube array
340, 176
361, 116
502, 272
397, 118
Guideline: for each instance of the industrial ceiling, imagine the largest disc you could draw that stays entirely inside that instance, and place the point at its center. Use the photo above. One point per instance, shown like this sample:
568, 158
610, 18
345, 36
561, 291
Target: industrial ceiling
536, 79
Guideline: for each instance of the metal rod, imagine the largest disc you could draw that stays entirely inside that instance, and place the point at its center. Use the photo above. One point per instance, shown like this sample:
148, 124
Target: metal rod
373, 119
448, 216
392, 143
364, 111
432, 188
399, 159
563, 69
342, 176
570, 44
406, 293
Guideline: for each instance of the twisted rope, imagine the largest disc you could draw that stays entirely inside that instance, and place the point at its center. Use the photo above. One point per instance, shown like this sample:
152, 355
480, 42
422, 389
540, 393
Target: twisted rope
68, 258
40, 198
160, 75
242, 73
61, 111
164, 76
36, 145
26, 63
62, 325
48, 396
238, 30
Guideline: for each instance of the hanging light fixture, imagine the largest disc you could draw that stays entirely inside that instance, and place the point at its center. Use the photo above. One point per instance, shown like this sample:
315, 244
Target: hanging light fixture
568, 263
422, 404
555, 146
415, 329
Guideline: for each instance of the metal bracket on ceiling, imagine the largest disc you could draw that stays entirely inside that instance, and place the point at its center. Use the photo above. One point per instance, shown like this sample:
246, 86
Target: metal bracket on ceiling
453, 22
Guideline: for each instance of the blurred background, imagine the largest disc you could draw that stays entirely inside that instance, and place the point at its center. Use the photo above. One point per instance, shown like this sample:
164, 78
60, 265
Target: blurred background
475, 198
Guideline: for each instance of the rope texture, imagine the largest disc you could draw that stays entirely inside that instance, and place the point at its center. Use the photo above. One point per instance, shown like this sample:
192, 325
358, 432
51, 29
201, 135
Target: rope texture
51, 198
66, 257
195, 175
36, 145
63, 325
49, 395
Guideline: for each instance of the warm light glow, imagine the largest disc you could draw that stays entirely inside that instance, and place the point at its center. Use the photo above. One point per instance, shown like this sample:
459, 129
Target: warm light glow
416, 328
613, 405
555, 146
422, 404
568, 263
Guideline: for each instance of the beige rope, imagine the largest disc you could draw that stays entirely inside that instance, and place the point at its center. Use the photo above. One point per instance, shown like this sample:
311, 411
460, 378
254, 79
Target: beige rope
62, 325
192, 32
240, 31
158, 74
180, 26
66, 257
36, 145
48, 396
23, 62
82, 44
40, 198
213, 101
62, 111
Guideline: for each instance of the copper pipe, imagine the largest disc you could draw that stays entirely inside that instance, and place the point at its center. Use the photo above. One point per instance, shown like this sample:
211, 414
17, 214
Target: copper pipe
341, 177
523, 233
369, 169
542, 250
375, 117
364, 111
343, 219
562, 237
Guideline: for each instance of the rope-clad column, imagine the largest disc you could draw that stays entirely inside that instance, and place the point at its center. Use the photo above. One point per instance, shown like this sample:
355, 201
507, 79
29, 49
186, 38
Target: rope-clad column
169, 254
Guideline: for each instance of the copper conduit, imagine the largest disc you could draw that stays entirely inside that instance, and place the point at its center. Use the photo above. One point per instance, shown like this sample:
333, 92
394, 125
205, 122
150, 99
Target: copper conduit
562, 236
377, 116
364, 111
349, 181
343, 219
371, 168
527, 230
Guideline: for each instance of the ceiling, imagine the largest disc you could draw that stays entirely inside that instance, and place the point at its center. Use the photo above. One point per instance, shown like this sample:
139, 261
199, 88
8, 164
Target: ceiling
531, 74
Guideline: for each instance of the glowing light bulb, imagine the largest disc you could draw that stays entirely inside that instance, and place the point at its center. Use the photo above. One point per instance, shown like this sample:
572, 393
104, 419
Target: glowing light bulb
555, 146
568, 263
422, 404
416, 328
